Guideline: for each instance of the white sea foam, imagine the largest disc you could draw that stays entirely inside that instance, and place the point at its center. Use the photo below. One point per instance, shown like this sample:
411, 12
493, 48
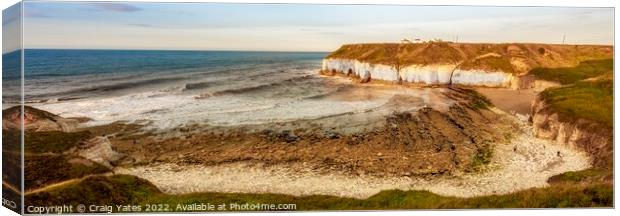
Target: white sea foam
167, 109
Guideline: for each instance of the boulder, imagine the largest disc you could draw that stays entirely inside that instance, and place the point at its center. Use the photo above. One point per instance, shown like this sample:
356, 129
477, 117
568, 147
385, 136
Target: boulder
365, 78
36, 120
99, 149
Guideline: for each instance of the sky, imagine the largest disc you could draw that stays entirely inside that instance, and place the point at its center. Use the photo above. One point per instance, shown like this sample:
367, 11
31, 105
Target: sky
296, 27
11, 28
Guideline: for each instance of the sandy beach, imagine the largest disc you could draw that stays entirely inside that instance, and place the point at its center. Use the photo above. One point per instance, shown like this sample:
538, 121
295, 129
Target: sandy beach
510, 100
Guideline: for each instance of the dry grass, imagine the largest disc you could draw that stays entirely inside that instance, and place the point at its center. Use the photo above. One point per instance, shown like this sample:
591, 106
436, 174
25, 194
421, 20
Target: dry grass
532, 55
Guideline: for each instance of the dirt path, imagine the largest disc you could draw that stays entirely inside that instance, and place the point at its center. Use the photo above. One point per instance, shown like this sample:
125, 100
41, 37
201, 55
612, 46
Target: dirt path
524, 163
63, 183
11, 187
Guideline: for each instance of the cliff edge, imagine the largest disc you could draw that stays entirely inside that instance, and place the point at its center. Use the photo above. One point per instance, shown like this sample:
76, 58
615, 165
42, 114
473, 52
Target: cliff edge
579, 115
437, 63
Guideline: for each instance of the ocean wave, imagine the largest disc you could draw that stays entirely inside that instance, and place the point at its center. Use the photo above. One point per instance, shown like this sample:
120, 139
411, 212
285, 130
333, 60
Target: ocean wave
267, 86
104, 88
336, 90
36, 101
244, 89
198, 85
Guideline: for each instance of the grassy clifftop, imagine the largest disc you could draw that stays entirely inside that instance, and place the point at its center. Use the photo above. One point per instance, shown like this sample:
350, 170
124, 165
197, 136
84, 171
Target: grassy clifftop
513, 57
585, 101
565, 191
587, 92
569, 75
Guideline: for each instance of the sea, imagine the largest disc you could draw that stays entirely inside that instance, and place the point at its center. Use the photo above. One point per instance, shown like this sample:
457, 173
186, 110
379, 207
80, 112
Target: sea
170, 89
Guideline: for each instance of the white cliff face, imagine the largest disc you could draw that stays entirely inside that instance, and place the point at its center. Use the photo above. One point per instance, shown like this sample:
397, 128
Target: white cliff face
482, 78
421, 74
429, 74
361, 69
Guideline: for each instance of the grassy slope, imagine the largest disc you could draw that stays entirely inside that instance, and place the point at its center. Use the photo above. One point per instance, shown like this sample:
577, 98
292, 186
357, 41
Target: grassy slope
111, 190
532, 55
551, 197
53, 141
42, 170
592, 175
587, 94
123, 189
591, 100
569, 75
587, 104
44, 160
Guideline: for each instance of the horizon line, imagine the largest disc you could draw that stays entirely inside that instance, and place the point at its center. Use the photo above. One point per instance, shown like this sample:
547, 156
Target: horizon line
148, 49
284, 51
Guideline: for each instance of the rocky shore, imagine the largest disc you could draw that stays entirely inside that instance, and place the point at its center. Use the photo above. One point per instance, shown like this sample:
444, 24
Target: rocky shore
409, 143
522, 163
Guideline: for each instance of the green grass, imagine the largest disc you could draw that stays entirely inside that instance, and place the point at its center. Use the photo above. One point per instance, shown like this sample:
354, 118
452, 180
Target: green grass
569, 75
124, 189
482, 157
557, 196
53, 141
41, 170
591, 100
578, 176
596, 195
583, 176
44, 141
98, 190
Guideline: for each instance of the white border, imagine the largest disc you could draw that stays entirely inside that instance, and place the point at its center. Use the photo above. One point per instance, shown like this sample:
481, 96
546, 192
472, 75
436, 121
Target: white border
565, 3
570, 3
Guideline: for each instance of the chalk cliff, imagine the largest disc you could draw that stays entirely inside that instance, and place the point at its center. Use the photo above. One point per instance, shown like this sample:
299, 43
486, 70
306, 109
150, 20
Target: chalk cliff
442, 63
588, 136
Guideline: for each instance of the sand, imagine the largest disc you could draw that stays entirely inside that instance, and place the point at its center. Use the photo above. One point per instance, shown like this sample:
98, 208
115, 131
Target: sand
509, 100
